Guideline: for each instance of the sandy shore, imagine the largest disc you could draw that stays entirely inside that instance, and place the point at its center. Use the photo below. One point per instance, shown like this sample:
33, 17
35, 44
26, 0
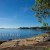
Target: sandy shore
20, 42
24, 42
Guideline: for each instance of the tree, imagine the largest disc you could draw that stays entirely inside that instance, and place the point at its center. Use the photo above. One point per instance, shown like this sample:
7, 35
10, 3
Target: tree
42, 10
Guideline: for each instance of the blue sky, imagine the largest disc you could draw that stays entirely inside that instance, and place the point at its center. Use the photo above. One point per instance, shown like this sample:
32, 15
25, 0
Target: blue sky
17, 13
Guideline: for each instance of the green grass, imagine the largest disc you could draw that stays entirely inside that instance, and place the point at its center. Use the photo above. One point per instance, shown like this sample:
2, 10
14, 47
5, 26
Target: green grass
44, 35
47, 49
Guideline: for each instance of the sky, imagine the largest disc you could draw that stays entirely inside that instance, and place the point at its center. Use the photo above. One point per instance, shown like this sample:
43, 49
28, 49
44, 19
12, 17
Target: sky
17, 13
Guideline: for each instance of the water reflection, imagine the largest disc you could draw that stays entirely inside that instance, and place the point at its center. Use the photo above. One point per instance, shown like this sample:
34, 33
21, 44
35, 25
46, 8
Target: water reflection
6, 34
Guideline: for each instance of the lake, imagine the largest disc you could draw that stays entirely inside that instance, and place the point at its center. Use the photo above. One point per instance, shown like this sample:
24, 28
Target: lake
7, 34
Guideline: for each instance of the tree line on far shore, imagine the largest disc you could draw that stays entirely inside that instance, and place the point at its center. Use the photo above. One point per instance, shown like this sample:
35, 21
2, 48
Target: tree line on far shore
35, 28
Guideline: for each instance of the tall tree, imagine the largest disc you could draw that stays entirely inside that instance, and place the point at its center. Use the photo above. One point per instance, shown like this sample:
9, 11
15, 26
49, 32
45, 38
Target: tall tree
42, 10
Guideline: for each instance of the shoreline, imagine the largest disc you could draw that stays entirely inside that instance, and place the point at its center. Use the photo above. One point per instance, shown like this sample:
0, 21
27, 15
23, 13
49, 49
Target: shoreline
24, 42
23, 38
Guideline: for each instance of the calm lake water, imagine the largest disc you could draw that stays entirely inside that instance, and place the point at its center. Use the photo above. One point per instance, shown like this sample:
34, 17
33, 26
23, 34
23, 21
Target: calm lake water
6, 34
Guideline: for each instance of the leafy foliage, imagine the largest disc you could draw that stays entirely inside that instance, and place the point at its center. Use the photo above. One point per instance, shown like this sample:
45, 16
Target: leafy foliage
42, 10
45, 24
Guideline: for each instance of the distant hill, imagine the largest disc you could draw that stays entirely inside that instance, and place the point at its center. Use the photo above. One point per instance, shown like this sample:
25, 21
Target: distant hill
34, 28
24, 28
